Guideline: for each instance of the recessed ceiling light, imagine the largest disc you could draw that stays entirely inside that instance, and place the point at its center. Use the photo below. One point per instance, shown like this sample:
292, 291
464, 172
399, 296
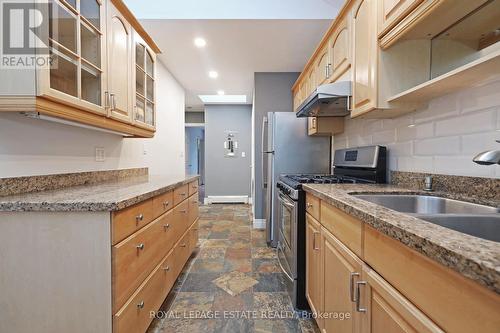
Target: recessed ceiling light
213, 74
220, 92
200, 42
411, 125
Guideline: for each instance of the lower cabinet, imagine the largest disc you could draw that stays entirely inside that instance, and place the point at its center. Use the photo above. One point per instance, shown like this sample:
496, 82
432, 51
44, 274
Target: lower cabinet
313, 264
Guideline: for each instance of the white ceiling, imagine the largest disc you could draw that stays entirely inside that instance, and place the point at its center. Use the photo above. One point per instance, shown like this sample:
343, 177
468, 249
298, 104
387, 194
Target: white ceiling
236, 49
235, 9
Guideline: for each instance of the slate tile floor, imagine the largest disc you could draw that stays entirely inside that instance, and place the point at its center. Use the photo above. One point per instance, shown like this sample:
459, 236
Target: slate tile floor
232, 270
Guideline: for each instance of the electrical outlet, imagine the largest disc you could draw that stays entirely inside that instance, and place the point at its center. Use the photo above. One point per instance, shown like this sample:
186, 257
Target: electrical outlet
100, 154
243, 154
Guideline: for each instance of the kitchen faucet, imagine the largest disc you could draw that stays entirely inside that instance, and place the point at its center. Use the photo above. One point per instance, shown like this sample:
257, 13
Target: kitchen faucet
488, 157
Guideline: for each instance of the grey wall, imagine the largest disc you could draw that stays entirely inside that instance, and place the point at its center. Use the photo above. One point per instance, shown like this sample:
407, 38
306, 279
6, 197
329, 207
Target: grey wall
227, 176
272, 94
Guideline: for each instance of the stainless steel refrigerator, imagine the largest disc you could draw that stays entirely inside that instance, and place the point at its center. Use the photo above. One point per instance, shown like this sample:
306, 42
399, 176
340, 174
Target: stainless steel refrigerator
287, 149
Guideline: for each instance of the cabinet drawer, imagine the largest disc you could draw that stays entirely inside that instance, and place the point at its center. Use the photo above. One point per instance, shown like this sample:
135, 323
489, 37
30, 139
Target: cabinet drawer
180, 218
180, 194
134, 316
135, 257
193, 239
343, 226
452, 301
182, 251
163, 203
193, 209
312, 206
131, 219
193, 187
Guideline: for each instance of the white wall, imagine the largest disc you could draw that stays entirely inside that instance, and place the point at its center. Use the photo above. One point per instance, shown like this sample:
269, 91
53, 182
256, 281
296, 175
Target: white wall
445, 137
37, 147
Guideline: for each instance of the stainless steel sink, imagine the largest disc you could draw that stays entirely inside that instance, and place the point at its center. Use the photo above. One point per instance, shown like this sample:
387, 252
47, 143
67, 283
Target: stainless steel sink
482, 226
422, 204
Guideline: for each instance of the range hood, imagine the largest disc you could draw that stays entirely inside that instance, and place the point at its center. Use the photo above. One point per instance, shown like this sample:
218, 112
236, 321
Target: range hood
328, 100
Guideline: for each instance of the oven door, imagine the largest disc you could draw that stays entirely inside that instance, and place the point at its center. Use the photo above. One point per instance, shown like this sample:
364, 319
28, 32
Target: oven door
287, 232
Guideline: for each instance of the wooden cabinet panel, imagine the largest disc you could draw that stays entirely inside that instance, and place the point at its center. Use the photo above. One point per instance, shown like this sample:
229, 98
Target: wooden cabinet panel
340, 47
314, 276
163, 203
180, 194
193, 210
182, 251
322, 67
453, 302
346, 228
387, 311
325, 126
135, 257
342, 269
126, 221
180, 218
193, 239
135, 316
193, 187
365, 52
390, 12
313, 206
119, 65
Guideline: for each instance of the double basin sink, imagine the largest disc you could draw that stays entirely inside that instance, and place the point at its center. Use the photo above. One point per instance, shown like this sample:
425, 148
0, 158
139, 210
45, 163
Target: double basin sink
469, 218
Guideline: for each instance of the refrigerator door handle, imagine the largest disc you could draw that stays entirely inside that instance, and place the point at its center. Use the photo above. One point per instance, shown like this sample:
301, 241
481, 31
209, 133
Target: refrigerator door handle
263, 138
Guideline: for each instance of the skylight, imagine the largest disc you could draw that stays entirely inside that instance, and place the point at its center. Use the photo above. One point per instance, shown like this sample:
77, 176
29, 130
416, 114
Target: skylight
223, 99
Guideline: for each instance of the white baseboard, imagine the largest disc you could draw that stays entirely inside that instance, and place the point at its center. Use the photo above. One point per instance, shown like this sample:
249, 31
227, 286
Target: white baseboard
259, 223
211, 199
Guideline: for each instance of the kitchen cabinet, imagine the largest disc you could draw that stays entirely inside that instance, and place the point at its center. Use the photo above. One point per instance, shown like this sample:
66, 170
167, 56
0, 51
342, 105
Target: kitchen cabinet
322, 66
314, 276
119, 65
383, 284
94, 78
342, 269
340, 50
364, 88
393, 11
325, 126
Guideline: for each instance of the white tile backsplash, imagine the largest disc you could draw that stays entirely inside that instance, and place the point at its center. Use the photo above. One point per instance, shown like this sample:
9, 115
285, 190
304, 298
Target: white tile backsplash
442, 138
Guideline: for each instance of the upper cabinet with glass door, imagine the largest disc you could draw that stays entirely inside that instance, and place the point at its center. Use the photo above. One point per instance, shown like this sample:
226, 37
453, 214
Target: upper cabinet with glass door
145, 91
76, 36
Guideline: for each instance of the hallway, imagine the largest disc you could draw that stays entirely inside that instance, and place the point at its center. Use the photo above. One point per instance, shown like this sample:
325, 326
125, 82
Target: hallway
232, 283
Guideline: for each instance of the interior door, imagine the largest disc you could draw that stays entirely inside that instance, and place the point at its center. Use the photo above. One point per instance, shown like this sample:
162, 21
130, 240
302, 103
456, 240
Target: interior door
119, 65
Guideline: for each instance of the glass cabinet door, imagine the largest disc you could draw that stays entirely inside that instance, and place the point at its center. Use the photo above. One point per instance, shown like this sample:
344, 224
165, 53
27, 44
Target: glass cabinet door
75, 38
144, 85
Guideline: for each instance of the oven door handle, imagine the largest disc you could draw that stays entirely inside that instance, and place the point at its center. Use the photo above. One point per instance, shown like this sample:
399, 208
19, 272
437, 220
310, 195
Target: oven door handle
285, 201
278, 248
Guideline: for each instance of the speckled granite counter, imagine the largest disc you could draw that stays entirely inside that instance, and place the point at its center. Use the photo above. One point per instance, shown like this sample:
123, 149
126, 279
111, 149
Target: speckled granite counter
106, 196
472, 257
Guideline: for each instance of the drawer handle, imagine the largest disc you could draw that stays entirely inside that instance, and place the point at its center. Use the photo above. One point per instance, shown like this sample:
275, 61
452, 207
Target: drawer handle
309, 205
165, 204
140, 246
314, 240
166, 226
139, 218
351, 287
184, 211
183, 194
183, 245
140, 305
166, 269
358, 292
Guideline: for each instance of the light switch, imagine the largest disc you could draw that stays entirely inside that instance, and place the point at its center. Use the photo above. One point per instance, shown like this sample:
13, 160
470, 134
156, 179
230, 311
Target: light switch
243, 154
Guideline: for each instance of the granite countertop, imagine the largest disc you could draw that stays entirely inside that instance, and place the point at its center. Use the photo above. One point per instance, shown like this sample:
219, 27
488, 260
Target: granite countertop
106, 196
472, 257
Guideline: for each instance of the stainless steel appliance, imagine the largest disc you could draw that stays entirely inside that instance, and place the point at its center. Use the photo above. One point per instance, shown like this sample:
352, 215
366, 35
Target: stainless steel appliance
328, 100
357, 165
288, 149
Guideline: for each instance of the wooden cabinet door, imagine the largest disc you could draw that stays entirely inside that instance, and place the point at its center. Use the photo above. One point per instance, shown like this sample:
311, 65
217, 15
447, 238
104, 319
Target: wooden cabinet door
342, 269
313, 265
340, 55
393, 11
387, 311
365, 51
119, 65
311, 82
322, 66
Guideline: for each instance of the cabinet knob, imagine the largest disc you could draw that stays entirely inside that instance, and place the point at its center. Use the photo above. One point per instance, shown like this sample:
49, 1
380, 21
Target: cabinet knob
308, 205
183, 245
184, 211
166, 269
139, 218
183, 194
166, 226
140, 305
140, 246
165, 204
